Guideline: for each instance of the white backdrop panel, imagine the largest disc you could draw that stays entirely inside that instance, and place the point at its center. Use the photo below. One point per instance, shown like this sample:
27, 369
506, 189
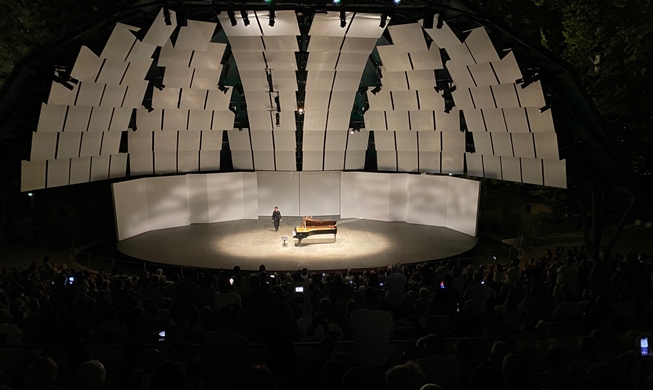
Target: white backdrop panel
319, 193
427, 200
462, 205
373, 196
225, 196
131, 210
278, 189
398, 197
167, 202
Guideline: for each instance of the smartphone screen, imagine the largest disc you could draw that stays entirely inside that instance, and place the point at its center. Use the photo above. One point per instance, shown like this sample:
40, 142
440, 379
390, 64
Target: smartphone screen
441, 284
231, 280
643, 345
71, 279
162, 335
299, 289
380, 284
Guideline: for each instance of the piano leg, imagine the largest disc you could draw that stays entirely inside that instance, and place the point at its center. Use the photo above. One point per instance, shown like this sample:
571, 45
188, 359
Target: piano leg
299, 242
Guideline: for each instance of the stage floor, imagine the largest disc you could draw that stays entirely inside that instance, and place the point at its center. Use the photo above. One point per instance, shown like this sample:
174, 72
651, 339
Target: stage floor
248, 243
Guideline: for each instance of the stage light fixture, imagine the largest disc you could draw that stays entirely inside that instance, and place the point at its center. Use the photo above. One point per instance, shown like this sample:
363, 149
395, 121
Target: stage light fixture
440, 21
30, 194
397, 2
384, 19
301, 111
232, 17
351, 131
336, 2
272, 16
166, 16
343, 19
429, 15
277, 119
545, 108
243, 14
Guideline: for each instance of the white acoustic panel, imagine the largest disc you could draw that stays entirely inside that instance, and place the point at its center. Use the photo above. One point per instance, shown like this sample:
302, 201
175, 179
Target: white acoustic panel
386, 160
427, 60
313, 141
165, 141
447, 122
507, 69
334, 160
523, 145
120, 42
516, 120
210, 140
406, 141
481, 46
384, 140
209, 59
240, 29
118, 165
474, 164
281, 43
373, 196
430, 100
393, 59
555, 173
51, 118
430, 141
366, 25
531, 170
483, 143
32, 175
494, 120
135, 94
159, 32
327, 24
138, 141
92, 143
178, 77
338, 120
200, 120
427, 200
483, 97
285, 80
421, 121
546, 146
532, 95
463, 99
404, 100
474, 120
380, 101
285, 161
100, 168
320, 80
58, 173
354, 159
322, 60
141, 52
321, 43
167, 202
209, 160
462, 205
540, 122
421, 79
280, 189
69, 145
139, 163
260, 120
135, 73
44, 146
453, 162
281, 60
188, 161
358, 45
316, 101
492, 167
121, 119
511, 169
175, 120
167, 98
429, 162
263, 160
395, 81
100, 119
347, 81
165, 162
80, 170
77, 119
505, 95
112, 71
453, 142
358, 141
460, 54
261, 140
341, 101
90, 94
285, 23
60, 95
130, 208
502, 144
336, 140
254, 80
319, 193
195, 36
223, 120
215, 100
397, 120
407, 162
86, 66
408, 37
483, 74
460, 74
242, 159
110, 143
149, 121
239, 140
114, 95
312, 160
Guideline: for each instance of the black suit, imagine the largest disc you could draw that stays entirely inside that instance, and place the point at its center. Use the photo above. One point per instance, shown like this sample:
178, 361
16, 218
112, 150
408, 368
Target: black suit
276, 218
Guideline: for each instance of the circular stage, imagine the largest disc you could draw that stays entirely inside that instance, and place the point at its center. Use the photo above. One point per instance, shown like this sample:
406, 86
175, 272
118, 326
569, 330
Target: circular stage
360, 243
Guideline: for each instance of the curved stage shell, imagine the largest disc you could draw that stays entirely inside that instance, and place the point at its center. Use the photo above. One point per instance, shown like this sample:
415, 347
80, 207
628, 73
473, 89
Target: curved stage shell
360, 243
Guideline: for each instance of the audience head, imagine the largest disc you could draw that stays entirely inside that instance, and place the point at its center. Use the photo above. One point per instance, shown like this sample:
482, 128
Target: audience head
500, 350
516, 372
224, 286
42, 371
259, 378
169, 375
89, 376
405, 377
372, 297
356, 378
557, 357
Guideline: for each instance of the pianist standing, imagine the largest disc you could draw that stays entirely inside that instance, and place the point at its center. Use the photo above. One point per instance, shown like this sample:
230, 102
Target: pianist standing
276, 218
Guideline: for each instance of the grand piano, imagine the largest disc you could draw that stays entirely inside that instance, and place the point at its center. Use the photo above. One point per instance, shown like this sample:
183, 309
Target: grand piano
312, 226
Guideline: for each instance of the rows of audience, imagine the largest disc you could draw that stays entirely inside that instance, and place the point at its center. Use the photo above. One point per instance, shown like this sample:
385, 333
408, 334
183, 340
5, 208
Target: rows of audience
566, 320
